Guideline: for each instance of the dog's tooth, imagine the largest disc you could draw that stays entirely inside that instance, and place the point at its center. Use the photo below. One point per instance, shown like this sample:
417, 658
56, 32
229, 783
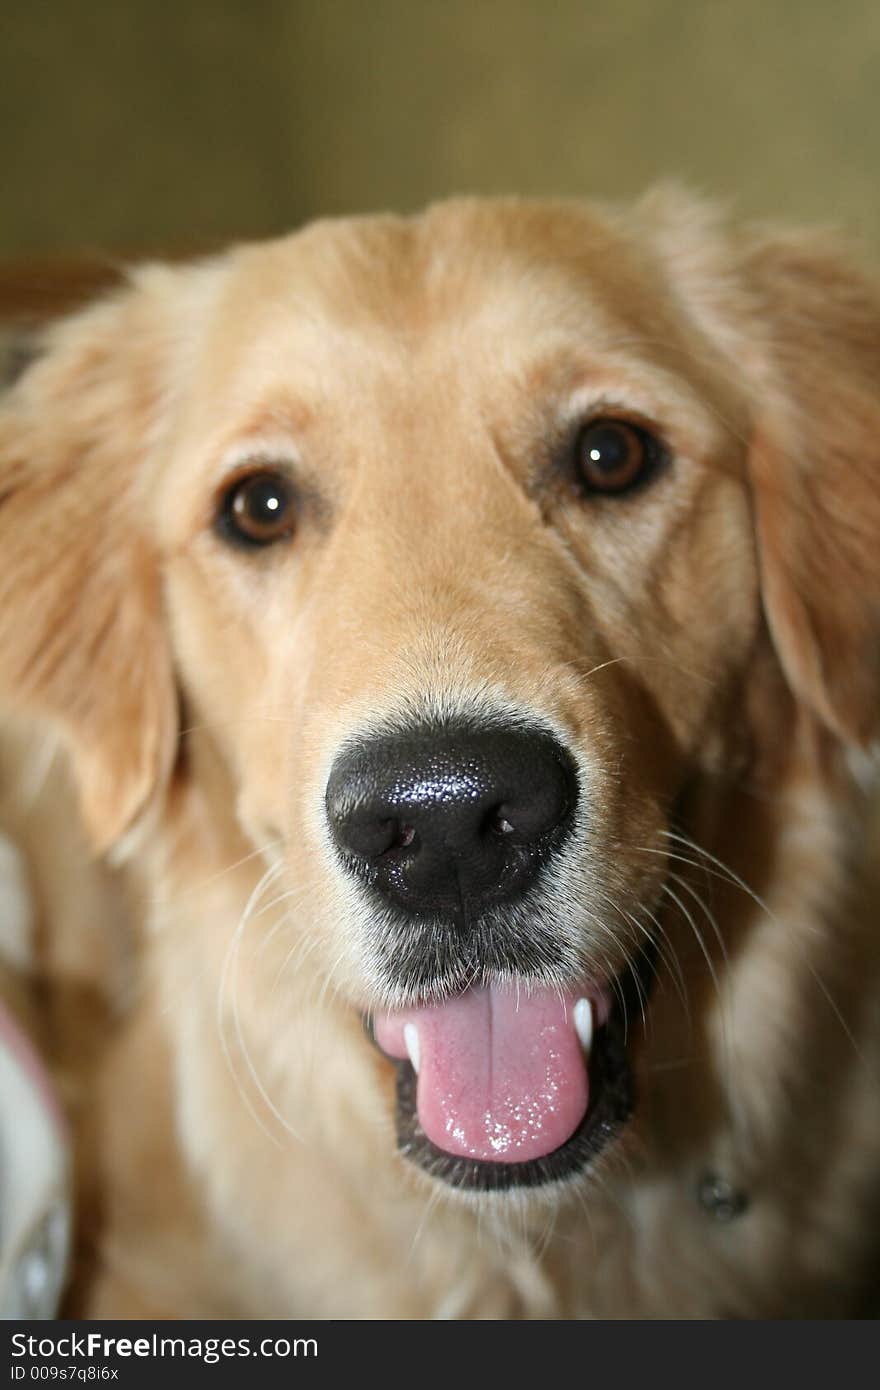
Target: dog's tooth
411, 1038
582, 1015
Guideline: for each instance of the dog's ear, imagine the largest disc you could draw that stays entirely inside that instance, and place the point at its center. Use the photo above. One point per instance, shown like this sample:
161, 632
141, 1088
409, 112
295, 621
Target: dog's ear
816, 474
82, 640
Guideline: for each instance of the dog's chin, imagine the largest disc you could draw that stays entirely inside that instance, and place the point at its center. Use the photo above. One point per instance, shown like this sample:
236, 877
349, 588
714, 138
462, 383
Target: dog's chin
608, 1089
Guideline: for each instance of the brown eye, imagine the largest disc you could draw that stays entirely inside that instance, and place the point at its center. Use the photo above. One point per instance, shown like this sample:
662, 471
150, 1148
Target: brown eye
258, 510
613, 456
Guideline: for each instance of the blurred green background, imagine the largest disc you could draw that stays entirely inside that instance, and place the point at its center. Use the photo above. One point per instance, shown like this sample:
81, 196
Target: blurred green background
139, 125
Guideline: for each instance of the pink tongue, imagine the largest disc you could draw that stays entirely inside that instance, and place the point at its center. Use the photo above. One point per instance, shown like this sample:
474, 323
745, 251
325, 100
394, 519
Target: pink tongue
502, 1076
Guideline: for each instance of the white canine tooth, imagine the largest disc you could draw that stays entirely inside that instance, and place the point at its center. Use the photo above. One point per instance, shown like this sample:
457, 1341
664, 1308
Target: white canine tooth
582, 1015
411, 1038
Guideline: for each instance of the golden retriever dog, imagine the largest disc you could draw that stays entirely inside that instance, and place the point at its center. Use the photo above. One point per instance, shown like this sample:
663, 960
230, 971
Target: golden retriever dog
460, 636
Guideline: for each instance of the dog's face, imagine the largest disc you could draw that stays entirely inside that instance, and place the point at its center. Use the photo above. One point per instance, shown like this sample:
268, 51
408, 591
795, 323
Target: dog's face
457, 539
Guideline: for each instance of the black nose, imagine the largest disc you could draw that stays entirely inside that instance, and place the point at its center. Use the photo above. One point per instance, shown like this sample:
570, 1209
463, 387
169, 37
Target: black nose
451, 821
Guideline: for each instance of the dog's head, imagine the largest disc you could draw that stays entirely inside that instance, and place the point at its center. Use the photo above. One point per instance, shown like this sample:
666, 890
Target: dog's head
470, 545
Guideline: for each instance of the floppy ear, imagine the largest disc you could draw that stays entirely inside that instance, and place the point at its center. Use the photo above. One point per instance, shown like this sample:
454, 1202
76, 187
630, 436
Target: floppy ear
82, 640
816, 475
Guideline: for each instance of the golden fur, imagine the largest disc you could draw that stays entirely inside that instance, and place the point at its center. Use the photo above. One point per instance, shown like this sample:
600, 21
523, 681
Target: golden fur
711, 641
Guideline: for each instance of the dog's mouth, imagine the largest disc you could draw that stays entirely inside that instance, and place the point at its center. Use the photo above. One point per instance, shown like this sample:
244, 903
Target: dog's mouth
509, 1085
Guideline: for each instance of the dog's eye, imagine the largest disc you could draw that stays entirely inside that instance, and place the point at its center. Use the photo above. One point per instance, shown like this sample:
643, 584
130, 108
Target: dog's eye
613, 456
258, 510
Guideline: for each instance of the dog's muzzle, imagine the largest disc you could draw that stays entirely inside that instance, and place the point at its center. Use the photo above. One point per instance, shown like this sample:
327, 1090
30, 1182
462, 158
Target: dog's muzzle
453, 834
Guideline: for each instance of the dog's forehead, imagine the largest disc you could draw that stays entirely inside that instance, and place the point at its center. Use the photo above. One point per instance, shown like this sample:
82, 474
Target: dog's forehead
516, 280
472, 317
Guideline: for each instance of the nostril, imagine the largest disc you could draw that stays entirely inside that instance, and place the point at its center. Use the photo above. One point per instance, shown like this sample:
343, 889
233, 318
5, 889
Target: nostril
404, 838
368, 836
501, 825
530, 816
497, 822
365, 836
